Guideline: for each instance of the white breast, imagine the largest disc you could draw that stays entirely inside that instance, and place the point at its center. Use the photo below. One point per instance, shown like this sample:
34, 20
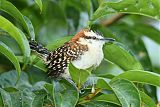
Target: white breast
90, 58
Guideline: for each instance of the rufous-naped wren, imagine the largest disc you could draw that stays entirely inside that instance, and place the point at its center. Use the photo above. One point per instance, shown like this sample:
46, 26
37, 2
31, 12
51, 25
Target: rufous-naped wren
84, 50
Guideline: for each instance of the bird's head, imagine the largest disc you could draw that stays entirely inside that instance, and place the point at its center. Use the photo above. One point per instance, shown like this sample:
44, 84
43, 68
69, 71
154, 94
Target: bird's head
87, 36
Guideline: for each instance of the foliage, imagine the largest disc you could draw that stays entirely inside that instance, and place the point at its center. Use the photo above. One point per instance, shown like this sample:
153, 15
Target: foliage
128, 76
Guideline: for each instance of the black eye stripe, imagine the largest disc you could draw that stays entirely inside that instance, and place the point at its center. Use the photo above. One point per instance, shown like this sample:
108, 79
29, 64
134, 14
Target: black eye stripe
91, 37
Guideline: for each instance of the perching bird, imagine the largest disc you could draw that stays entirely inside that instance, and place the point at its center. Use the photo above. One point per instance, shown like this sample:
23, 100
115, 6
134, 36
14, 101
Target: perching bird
84, 50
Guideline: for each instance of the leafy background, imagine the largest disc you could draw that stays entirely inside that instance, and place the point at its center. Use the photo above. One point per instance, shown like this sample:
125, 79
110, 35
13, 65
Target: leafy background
128, 76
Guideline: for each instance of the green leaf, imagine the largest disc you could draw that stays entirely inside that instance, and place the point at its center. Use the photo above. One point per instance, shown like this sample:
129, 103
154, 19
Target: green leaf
12, 97
39, 98
147, 100
121, 57
39, 3
38, 62
17, 35
79, 76
109, 76
111, 98
132, 38
148, 31
140, 77
99, 104
6, 98
1, 101
49, 88
64, 94
147, 8
10, 55
126, 92
14, 12
138, 29
153, 51
58, 43
8, 79
26, 98
15, 96
30, 27
34, 60
101, 83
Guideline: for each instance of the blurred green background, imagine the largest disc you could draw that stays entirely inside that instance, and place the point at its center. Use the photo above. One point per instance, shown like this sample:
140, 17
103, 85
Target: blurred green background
138, 34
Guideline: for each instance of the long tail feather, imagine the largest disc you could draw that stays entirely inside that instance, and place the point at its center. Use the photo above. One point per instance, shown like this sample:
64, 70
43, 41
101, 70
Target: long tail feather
38, 48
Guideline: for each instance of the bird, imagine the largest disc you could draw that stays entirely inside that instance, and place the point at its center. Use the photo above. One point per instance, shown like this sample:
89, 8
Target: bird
83, 50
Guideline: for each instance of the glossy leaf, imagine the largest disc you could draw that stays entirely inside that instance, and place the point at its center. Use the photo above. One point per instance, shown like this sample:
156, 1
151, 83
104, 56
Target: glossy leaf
64, 94
99, 104
1, 101
8, 79
39, 98
34, 60
147, 100
39, 3
58, 43
6, 98
48, 87
139, 29
147, 8
38, 62
22, 94
132, 39
30, 27
15, 96
121, 57
27, 97
10, 55
140, 77
12, 97
101, 83
79, 76
153, 51
148, 31
16, 34
126, 92
111, 98
14, 12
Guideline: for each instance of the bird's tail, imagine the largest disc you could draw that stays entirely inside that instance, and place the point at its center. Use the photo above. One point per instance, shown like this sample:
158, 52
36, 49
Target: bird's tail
38, 48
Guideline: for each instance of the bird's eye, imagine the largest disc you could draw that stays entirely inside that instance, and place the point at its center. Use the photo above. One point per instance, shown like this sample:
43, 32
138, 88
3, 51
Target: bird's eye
91, 37
94, 37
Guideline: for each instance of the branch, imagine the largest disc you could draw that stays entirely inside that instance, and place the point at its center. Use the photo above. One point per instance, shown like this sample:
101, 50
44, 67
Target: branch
113, 19
89, 96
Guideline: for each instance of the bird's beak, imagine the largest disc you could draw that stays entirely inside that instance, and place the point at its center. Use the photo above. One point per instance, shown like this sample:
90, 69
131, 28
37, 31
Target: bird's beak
110, 40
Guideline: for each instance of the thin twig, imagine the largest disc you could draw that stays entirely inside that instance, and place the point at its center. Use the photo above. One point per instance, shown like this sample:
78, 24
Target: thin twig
112, 20
90, 96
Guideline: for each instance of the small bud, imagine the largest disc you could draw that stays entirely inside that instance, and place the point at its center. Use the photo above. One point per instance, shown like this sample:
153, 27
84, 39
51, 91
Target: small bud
93, 89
